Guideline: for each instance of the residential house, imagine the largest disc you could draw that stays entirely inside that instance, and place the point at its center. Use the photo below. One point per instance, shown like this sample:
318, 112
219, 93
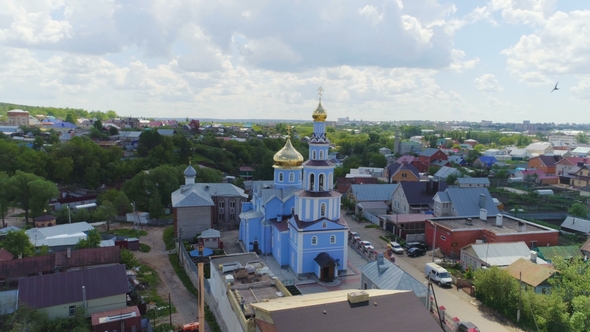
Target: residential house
485, 161
519, 154
11, 131
200, 206
581, 151
58, 295
343, 183
581, 178
409, 147
345, 310
457, 160
548, 254
432, 156
385, 151
382, 274
372, 171
465, 147
5, 255
409, 227
464, 202
58, 262
407, 159
454, 233
194, 125
59, 237
585, 191
401, 172
415, 197
472, 182
533, 275
18, 118
166, 132
539, 148
567, 167
444, 172
476, 256
360, 193
471, 142
45, 220
545, 163
210, 238
576, 225
562, 153
585, 249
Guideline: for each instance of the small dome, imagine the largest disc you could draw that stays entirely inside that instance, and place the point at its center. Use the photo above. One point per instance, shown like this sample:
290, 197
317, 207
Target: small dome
288, 156
190, 171
320, 114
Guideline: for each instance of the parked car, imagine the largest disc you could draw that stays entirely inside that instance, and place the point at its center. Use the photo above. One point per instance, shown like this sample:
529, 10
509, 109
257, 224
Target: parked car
396, 248
351, 235
356, 239
415, 252
467, 327
369, 249
416, 244
438, 274
363, 244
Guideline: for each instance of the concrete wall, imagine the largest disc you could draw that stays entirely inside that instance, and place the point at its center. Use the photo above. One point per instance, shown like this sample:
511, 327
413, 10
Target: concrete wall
193, 220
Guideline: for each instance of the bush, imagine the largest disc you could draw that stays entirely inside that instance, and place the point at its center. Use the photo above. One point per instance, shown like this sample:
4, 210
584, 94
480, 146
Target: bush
169, 238
144, 247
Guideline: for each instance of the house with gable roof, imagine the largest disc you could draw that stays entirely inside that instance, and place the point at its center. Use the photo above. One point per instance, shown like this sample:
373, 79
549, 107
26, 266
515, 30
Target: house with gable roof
444, 172
464, 202
433, 156
545, 163
360, 193
415, 197
532, 274
401, 172
567, 167
581, 178
472, 182
408, 159
485, 161
458, 160
539, 148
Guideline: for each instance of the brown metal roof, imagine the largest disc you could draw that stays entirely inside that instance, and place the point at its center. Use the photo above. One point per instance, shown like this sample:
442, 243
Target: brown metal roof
45, 217
532, 274
400, 312
5, 255
60, 261
63, 288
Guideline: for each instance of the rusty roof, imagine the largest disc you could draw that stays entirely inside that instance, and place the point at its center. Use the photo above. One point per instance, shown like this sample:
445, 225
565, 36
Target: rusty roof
532, 274
63, 288
48, 263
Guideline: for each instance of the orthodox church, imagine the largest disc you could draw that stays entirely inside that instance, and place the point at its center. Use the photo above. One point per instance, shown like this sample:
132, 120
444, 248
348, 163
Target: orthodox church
296, 217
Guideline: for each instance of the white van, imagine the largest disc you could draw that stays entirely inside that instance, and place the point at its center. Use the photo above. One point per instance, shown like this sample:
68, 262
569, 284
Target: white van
438, 274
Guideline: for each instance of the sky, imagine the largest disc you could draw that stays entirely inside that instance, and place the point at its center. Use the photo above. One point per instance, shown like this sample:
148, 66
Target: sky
386, 60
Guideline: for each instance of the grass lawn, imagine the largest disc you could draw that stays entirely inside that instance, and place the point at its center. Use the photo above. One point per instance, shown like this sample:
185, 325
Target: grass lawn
169, 238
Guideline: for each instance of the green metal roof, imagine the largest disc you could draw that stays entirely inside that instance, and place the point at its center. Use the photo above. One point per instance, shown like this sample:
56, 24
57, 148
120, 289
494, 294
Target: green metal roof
547, 253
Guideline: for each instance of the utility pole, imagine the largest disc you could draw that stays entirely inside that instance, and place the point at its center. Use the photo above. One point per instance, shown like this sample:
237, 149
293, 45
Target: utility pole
433, 240
519, 296
69, 214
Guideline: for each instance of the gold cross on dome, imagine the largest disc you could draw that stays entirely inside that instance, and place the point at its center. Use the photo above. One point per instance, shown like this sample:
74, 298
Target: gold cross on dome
288, 131
320, 90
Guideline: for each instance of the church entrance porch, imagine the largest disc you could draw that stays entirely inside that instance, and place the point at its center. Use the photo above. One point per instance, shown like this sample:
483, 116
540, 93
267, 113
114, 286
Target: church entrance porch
326, 264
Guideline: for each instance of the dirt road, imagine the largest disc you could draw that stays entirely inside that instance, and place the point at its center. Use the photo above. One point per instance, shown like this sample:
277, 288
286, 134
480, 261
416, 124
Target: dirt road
157, 258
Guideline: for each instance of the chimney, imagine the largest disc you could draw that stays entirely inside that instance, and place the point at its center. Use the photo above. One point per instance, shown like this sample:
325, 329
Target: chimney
499, 218
469, 222
482, 201
358, 297
522, 227
534, 257
69, 253
379, 261
483, 214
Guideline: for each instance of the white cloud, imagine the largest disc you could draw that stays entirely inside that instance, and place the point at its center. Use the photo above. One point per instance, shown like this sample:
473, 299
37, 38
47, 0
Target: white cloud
487, 83
582, 90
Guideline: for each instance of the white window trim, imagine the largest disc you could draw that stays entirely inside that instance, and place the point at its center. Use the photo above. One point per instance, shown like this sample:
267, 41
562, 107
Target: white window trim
333, 237
312, 240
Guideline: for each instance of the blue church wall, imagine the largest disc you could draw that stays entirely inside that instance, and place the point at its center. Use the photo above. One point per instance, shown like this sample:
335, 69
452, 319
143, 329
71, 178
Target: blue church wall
280, 247
252, 232
309, 265
273, 208
284, 178
265, 240
247, 206
310, 209
319, 152
289, 204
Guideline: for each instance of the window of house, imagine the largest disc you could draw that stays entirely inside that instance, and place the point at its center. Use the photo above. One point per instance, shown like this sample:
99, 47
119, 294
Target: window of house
404, 175
221, 216
533, 244
404, 208
443, 238
72, 310
232, 203
281, 177
332, 239
314, 240
221, 204
291, 177
323, 210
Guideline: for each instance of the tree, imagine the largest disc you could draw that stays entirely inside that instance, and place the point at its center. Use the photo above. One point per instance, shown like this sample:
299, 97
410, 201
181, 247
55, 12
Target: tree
18, 243
92, 240
97, 124
107, 212
71, 118
42, 191
497, 289
122, 204
581, 138
450, 180
578, 210
4, 196
38, 144
113, 131
156, 209
20, 192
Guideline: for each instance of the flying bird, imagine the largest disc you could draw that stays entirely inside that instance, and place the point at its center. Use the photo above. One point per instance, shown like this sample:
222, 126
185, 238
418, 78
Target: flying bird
555, 88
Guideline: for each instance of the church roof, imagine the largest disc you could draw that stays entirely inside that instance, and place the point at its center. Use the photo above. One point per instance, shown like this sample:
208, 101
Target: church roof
190, 171
283, 194
288, 156
221, 189
319, 115
190, 196
305, 224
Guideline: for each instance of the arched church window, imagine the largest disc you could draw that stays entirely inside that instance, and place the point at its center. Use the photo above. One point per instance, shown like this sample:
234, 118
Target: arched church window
321, 179
323, 210
291, 177
330, 181
281, 177
311, 181
332, 239
313, 154
322, 155
292, 211
314, 240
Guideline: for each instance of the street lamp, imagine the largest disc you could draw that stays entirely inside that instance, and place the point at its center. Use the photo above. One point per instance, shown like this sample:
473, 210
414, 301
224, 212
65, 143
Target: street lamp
433, 240
69, 214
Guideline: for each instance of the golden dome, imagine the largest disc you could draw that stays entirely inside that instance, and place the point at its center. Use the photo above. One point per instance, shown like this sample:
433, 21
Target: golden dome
288, 156
319, 114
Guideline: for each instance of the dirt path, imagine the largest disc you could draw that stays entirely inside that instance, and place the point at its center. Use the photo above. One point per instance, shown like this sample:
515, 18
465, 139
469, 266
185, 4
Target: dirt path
157, 258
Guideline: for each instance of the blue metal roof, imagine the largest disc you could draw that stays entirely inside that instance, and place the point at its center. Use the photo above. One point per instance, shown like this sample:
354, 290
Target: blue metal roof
466, 201
372, 192
390, 276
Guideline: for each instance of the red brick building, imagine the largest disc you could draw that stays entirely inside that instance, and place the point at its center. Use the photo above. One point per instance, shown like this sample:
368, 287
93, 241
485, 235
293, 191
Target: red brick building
432, 155
454, 233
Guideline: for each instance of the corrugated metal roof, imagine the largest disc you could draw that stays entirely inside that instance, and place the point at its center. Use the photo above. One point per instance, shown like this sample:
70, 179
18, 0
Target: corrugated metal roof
221, 189
373, 205
443, 196
5, 255
210, 233
282, 194
549, 253
392, 277
445, 171
532, 274
189, 196
466, 201
59, 235
372, 192
502, 254
251, 214
576, 224
63, 288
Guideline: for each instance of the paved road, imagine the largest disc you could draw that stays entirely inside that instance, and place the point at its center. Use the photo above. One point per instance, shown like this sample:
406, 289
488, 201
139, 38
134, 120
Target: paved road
458, 303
